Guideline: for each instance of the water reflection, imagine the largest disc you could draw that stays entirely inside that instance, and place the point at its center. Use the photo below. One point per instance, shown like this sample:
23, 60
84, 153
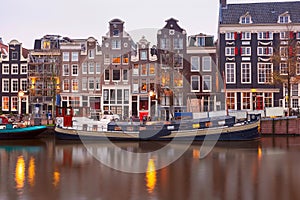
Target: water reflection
151, 176
20, 173
265, 169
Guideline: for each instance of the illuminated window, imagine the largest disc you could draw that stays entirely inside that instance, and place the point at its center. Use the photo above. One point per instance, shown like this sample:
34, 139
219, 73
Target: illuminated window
178, 79
165, 78
66, 86
143, 86
143, 70
5, 103
245, 100
230, 100
74, 85
14, 103
125, 59
152, 69
135, 70
116, 59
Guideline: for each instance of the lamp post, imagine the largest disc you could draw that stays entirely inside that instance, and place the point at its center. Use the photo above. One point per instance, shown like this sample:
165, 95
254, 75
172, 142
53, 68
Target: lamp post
20, 97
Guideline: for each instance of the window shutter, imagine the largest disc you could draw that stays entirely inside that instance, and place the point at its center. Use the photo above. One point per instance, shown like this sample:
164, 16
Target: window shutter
241, 50
267, 50
291, 34
290, 51
236, 51
267, 35
235, 36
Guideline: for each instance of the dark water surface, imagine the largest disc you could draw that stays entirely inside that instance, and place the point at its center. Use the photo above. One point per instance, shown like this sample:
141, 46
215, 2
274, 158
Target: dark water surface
49, 169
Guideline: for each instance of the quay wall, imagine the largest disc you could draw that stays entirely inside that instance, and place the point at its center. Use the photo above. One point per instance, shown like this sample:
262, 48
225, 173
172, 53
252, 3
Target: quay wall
280, 126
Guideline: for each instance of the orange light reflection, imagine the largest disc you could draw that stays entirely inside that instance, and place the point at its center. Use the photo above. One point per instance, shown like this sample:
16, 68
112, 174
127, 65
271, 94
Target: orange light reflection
20, 173
31, 172
151, 176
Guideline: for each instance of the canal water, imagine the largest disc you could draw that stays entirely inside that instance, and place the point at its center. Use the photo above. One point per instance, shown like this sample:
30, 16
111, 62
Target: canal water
45, 168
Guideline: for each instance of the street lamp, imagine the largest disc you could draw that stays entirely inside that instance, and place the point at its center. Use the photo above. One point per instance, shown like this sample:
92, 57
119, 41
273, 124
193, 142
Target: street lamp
20, 95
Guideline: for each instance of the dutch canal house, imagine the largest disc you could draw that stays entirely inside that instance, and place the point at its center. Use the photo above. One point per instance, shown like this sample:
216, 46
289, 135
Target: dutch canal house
14, 83
144, 86
117, 48
205, 79
259, 42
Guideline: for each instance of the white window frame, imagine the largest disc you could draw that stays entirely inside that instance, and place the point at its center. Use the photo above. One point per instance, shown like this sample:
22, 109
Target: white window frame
284, 35
66, 70
91, 68
3, 102
246, 36
198, 80
204, 69
5, 83
283, 68
84, 84
23, 69
197, 66
298, 68
91, 82
73, 68
284, 19
66, 56
14, 103
14, 85
210, 83
245, 67
245, 51
246, 19
247, 98
116, 44
98, 68
14, 69
84, 68
5, 69
230, 36
75, 56
230, 67
229, 51
68, 83
263, 35
23, 84
72, 82
234, 97
262, 51
262, 69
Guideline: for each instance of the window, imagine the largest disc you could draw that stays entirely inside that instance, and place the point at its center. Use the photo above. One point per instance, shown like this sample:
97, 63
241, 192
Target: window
298, 68
15, 55
178, 79
66, 71
245, 19
126, 96
91, 53
298, 35
14, 103
24, 84
106, 75
5, 85
295, 89
143, 55
66, 85
200, 41
116, 59
246, 51
84, 68
178, 43
144, 86
98, 69
135, 70
91, 83
165, 59
178, 99
125, 59
165, 78
284, 35
265, 71
246, 35
125, 75
230, 100
74, 85
195, 63
14, 85
283, 19
116, 44
91, 68
74, 70
164, 43
115, 32
14, 69
23, 69
265, 35
206, 86
229, 51
84, 84
135, 86
66, 56
283, 52
283, 69
74, 56
268, 99
264, 51
151, 69
106, 59
143, 70
5, 103
116, 75
97, 83
5, 69
246, 73
230, 36
178, 61
230, 72
206, 64
295, 103
195, 83
246, 100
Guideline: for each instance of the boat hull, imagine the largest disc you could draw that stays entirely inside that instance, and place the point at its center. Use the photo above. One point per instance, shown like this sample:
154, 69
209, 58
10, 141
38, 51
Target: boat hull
21, 133
234, 133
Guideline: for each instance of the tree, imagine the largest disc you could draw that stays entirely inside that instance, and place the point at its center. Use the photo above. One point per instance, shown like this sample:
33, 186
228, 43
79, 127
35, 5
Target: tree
285, 58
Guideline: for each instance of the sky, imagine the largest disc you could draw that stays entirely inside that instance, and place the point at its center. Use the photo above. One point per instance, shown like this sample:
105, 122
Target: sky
28, 20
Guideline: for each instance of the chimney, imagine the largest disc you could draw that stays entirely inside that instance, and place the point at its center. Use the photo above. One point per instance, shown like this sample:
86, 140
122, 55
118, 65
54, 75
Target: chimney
223, 3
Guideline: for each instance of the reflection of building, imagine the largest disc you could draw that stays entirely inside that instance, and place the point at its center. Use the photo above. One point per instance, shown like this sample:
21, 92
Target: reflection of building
117, 48
171, 48
43, 72
204, 77
80, 75
144, 80
248, 35
13, 78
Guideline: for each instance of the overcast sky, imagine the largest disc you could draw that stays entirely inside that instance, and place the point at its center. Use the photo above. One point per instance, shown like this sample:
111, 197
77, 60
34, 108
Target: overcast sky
32, 19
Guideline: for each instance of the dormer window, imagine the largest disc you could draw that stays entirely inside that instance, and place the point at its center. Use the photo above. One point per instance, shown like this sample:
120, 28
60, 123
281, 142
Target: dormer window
284, 18
116, 32
246, 19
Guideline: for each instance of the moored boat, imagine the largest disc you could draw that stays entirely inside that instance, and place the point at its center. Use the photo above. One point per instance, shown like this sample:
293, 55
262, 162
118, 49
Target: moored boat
9, 131
223, 128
